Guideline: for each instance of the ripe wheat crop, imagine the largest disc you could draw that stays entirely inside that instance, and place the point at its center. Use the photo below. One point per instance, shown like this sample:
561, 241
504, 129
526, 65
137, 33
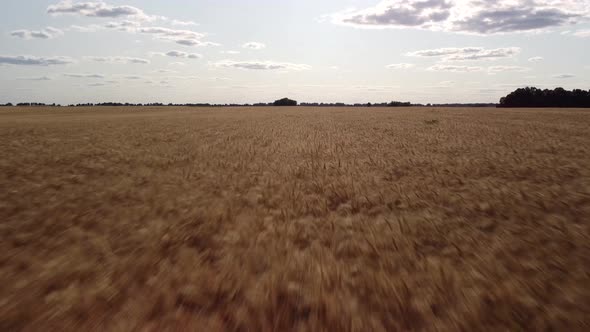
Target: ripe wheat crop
294, 219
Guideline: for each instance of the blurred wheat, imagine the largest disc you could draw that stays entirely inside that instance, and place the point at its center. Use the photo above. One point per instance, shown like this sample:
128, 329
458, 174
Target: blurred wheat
294, 220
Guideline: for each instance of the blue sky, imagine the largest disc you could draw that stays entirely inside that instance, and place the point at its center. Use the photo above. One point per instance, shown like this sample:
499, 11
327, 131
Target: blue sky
227, 51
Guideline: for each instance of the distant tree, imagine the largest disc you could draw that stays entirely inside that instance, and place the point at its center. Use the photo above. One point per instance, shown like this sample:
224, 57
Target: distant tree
285, 102
31, 104
399, 104
558, 97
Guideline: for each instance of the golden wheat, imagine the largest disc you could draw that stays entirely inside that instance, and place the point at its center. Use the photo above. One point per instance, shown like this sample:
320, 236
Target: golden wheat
294, 219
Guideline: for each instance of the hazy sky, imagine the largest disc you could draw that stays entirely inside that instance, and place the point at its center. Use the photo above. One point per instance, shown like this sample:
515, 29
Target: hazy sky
260, 50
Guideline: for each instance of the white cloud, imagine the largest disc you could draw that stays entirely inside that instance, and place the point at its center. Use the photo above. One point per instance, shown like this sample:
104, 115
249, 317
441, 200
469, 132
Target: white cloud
499, 69
445, 51
129, 26
582, 33
93, 76
492, 54
470, 16
182, 37
47, 33
467, 53
183, 23
564, 76
165, 71
118, 59
536, 59
29, 60
185, 55
87, 28
254, 45
40, 78
97, 9
230, 52
400, 66
455, 69
261, 65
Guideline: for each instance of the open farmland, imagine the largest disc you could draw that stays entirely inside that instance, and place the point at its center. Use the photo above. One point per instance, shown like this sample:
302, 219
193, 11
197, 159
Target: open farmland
294, 219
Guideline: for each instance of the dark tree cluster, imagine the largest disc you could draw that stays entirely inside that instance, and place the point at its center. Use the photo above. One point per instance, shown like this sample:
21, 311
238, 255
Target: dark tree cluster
285, 102
390, 104
558, 97
34, 104
280, 102
463, 105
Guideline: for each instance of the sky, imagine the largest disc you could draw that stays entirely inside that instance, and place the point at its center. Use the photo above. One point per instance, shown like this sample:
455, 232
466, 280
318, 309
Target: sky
236, 51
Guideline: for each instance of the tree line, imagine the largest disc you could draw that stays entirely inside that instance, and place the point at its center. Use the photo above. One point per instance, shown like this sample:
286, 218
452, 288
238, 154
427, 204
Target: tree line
523, 97
558, 97
280, 102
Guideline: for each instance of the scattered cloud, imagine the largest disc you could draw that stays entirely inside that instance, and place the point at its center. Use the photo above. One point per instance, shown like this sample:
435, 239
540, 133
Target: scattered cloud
408, 13
467, 16
536, 59
261, 65
455, 69
582, 33
134, 77
86, 28
220, 79
182, 37
128, 26
134, 18
254, 45
165, 71
500, 69
492, 54
177, 63
93, 76
47, 33
564, 76
522, 15
230, 52
118, 59
97, 9
400, 66
29, 60
445, 51
183, 23
40, 78
467, 53
184, 55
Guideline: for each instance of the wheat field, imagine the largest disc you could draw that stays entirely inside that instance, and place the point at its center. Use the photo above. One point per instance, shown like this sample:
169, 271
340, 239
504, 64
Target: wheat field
294, 219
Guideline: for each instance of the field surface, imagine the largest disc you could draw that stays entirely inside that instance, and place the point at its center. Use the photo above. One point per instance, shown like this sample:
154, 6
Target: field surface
294, 219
